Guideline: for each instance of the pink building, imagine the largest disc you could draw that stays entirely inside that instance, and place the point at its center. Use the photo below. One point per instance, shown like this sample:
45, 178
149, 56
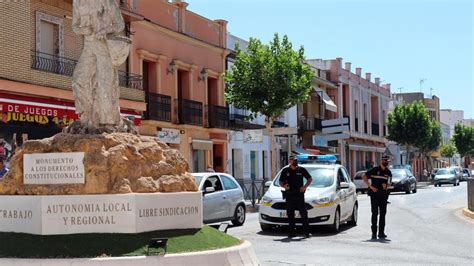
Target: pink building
181, 56
365, 103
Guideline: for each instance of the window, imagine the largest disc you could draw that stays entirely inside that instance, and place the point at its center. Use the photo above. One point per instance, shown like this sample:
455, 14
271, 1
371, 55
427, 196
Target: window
49, 34
213, 181
228, 183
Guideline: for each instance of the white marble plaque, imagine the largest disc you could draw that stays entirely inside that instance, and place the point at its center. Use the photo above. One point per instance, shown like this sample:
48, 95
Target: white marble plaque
117, 213
53, 168
180, 211
20, 214
88, 214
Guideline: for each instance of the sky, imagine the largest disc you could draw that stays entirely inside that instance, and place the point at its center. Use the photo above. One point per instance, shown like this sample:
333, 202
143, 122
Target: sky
400, 41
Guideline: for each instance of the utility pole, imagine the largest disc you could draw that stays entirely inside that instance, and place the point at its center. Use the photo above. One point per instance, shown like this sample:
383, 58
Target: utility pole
400, 90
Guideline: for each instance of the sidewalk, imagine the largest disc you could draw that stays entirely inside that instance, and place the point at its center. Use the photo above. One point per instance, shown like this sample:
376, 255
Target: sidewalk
243, 254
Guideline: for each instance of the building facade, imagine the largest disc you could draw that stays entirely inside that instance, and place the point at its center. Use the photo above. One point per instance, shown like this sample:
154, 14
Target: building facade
38, 54
249, 144
181, 56
365, 103
451, 117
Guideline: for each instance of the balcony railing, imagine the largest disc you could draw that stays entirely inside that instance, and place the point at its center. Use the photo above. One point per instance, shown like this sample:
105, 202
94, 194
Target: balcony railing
189, 112
159, 107
218, 116
52, 63
311, 124
129, 80
375, 129
65, 66
238, 120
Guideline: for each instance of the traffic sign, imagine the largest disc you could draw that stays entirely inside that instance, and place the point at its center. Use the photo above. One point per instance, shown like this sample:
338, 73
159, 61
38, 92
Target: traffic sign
319, 141
335, 122
337, 136
328, 130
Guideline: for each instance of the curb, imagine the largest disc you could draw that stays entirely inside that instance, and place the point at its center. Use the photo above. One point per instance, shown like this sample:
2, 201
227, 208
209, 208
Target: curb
242, 254
468, 213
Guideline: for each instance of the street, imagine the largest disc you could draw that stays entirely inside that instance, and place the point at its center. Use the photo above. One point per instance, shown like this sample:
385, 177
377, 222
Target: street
422, 228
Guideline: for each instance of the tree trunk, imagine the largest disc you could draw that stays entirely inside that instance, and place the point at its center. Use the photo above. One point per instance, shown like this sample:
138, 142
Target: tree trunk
408, 155
268, 125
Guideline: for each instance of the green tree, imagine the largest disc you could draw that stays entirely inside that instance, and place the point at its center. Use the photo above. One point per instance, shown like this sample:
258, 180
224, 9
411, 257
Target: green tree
410, 125
431, 143
463, 139
268, 80
448, 151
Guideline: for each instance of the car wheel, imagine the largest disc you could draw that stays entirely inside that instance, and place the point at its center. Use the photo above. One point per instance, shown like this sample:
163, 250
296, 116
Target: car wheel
454, 184
337, 221
414, 190
239, 216
353, 221
407, 189
266, 227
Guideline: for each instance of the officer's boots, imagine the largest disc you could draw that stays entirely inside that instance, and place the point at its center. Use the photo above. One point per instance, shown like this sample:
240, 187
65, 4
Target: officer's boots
374, 232
381, 232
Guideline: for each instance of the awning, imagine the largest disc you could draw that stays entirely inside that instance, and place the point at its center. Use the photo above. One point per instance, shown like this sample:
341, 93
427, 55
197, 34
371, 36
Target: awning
361, 147
330, 105
199, 144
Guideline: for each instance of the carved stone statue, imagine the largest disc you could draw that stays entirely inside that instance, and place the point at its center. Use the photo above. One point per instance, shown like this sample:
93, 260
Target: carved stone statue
95, 82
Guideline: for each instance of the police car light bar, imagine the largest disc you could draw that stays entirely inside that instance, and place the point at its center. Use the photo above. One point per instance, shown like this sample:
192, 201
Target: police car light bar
309, 158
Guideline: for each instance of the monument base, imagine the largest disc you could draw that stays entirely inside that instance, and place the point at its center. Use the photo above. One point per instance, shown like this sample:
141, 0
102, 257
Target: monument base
114, 213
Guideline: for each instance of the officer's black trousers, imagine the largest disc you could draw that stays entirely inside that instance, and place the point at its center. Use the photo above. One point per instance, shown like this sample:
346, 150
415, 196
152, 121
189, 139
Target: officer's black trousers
378, 202
296, 202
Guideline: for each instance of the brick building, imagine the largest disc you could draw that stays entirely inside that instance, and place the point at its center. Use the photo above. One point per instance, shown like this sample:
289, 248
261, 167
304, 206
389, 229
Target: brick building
38, 54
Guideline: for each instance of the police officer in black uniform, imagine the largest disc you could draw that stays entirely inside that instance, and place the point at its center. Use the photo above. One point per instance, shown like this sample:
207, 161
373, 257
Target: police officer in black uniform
381, 178
291, 179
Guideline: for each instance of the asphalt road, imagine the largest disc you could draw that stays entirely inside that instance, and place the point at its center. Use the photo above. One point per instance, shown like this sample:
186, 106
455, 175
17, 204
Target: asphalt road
422, 228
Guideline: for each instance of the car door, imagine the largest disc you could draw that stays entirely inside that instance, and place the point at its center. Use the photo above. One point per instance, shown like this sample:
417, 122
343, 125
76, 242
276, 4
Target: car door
349, 192
212, 203
233, 194
342, 193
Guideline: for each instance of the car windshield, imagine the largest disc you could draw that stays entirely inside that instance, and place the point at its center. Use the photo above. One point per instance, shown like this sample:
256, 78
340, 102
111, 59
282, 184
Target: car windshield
198, 178
445, 172
399, 173
322, 177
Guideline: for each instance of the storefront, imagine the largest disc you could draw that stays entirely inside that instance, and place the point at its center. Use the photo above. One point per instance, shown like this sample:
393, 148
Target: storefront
24, 117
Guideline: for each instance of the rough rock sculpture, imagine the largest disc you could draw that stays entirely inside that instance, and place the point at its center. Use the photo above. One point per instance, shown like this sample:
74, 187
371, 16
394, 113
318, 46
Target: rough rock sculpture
113, 163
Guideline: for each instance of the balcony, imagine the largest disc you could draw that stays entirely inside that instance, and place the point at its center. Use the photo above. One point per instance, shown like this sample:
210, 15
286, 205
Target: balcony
189, 112
52, 63
65, 66
311, 124
238, 120
159, 107
375, 129
218, 116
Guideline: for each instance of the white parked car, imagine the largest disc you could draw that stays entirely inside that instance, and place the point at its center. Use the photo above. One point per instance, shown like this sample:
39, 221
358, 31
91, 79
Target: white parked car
331, 199
359, 182
222, 198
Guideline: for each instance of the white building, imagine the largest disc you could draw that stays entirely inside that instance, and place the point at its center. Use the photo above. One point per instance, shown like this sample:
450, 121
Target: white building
451, 118
249, 151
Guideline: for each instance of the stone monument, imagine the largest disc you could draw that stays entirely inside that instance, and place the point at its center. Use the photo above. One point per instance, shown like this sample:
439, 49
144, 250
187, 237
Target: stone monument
99, 175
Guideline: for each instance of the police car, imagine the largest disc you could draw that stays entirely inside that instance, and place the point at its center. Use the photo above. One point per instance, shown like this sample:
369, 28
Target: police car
331, 199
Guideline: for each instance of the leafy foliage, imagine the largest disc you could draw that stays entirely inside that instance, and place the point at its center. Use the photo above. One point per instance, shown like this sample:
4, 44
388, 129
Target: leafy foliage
268, 79
410, 124
432, 142
448, 150
463, 139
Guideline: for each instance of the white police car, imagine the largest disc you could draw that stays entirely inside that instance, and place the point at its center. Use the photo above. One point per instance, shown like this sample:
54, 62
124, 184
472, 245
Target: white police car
331, 199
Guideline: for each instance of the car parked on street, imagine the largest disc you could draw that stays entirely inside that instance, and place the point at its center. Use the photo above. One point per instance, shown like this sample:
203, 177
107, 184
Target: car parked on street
331, 199
222, 198
359, 182
403, 180
458, 171
466, 174
446, 176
